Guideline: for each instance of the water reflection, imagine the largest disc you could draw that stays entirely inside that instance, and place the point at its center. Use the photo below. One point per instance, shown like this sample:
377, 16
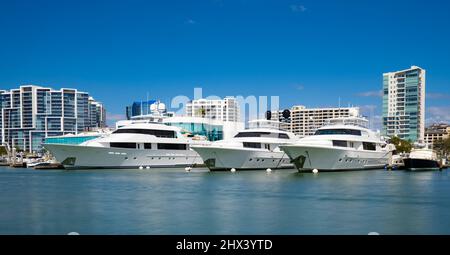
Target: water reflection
172, 201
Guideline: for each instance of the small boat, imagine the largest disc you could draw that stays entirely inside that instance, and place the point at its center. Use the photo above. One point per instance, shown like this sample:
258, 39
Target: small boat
422, 160
396, 162
51, 164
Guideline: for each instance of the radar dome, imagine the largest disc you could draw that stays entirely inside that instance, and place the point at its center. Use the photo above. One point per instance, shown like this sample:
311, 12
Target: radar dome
161, 106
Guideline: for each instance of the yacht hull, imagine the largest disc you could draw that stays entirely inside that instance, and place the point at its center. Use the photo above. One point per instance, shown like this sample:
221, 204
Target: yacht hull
413, 164
307, 158
224, 159
88, 157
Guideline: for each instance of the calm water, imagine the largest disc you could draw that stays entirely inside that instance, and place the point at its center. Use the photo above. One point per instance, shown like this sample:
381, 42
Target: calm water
175, 202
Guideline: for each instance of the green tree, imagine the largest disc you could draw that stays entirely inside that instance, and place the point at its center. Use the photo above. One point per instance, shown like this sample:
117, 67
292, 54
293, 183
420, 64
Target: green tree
442, 146
401, 145
3, 151
18, 149
201, 112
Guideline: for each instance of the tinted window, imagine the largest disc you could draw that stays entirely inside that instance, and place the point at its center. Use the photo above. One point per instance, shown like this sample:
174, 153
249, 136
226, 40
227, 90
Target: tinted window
369, 146
252, 145
252, 134
157, 133
338, 132
171, 146
339, 143
283, 136
263, 134
123, 145
147, 146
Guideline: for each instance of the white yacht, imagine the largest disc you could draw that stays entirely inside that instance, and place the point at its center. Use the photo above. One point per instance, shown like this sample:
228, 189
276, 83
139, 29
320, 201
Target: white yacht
134, 146
251, 149
341, 144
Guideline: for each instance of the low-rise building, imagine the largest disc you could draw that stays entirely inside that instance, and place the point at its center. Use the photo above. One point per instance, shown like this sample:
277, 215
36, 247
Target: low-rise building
436, 132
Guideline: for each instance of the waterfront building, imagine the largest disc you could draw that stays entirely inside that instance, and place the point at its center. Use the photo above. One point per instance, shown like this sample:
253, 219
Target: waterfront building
31, 113
97, 114
140, 108
436, 132
404, 104
285, 123
226, 109
305, 121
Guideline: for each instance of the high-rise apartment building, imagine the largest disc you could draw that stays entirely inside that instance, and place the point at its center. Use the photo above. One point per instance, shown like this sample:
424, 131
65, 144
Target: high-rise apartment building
226, 109
31, 113
404, 104
97, 114
140, 108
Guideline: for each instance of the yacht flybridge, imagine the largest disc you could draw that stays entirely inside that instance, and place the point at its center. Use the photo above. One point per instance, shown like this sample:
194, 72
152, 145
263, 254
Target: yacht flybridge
341, 144
132, 146
255, 148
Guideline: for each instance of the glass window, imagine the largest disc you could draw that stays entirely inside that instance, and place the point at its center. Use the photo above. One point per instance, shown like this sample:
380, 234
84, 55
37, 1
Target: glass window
252, 134
252, 145
171, 146
283, 136
157, 133
263, 134
339, 143
338, 132
123, 145
369, 146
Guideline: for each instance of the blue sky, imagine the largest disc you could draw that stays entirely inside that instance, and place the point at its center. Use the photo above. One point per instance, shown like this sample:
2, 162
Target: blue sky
306, 52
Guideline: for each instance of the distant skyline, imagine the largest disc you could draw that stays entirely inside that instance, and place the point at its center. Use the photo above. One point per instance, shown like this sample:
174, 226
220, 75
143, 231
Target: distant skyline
306, 52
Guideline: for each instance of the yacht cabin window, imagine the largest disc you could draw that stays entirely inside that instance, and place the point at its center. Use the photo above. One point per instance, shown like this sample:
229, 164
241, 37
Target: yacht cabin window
337, 143
171, 146
262, 134
338, 132
123, 145
369, 146
252, 145
155, 132
283, 136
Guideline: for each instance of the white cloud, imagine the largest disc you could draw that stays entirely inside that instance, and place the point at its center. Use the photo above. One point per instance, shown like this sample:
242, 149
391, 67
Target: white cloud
300, 87
369, 111
115, 117
112, 118
367, 108
297, 8
191, 22
375, 93
376, 122
438, 96
436, 114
